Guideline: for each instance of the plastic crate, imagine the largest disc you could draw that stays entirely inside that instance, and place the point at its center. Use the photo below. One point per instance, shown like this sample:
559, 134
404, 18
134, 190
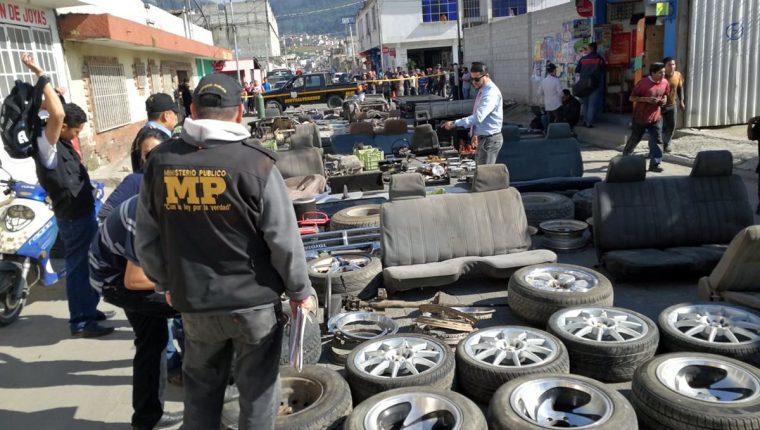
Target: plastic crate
270, 144
370, 157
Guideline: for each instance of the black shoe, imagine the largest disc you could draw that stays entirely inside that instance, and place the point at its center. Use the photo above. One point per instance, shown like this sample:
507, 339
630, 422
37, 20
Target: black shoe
655, 168
92, 329
667, 149
104, 315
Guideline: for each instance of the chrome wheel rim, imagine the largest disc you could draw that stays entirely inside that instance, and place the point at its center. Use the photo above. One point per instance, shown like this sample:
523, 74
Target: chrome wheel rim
340, 264
559, 402
511, 347
561, 279
399, 357
715, 324
709, 380
602, 325
361, 325
414, 411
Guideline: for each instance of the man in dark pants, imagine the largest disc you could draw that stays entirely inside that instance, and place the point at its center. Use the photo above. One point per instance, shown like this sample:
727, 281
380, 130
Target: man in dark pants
591, 66
67, 183
216, 230
649, 94
486, 119
115, 270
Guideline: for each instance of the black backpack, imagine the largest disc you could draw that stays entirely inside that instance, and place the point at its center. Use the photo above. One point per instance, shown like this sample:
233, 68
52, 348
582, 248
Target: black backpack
19, 120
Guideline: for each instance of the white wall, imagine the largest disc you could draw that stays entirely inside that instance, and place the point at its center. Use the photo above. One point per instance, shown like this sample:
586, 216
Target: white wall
136, 11
402, 22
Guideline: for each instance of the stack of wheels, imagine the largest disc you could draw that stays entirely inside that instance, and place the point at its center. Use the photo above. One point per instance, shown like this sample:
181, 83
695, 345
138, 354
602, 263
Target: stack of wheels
583, 200
356, 217
396, 361
536, 292
402, 408
715, 328
352, 328
605, 343
312, 342
542, 401
317, 398
488, 358
353, 274
564, 234
697, 391
540, 207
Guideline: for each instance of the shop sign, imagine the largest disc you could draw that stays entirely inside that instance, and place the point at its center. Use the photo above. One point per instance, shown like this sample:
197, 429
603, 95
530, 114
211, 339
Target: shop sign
16, 14
620, 50
585, 8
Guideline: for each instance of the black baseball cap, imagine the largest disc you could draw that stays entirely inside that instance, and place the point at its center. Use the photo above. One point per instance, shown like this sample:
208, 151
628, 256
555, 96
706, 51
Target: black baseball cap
160, 102
217, 90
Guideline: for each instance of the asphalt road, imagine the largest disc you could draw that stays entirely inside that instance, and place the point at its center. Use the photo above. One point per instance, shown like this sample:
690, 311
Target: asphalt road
50, 381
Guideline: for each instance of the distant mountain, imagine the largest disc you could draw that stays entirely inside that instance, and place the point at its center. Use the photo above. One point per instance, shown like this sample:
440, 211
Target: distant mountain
293, 15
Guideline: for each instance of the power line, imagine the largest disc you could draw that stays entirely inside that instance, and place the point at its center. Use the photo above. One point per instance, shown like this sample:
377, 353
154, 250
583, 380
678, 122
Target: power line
312, 12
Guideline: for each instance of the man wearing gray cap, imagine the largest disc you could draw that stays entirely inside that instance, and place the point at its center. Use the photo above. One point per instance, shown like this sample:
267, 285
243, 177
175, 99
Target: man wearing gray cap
217, 233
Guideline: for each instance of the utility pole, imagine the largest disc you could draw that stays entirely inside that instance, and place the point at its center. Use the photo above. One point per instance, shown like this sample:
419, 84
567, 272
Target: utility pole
234, 34
266, 35
460, 60
380, 35
353, 48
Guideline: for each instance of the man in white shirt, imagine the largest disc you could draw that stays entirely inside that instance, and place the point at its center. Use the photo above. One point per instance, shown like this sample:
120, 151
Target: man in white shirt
551, 90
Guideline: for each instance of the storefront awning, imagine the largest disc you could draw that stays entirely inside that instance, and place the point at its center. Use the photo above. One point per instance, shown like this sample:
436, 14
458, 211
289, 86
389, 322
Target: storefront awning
104, 29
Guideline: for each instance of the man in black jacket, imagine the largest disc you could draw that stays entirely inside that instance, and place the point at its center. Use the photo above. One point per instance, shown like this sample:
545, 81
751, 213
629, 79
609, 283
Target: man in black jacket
216, 231
591, 67
67, 183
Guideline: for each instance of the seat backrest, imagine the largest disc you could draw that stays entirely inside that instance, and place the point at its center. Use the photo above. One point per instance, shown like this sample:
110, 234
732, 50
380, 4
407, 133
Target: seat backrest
440, 227
558, 130
394, 126
304, 136
489, 177
626, 168
406, 186
532, 159
739, 268
510, 133
424, 139
669, 212
300, 162
361, 127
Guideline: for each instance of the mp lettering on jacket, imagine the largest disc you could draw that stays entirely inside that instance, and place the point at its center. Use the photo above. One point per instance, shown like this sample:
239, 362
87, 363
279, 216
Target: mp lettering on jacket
195, 190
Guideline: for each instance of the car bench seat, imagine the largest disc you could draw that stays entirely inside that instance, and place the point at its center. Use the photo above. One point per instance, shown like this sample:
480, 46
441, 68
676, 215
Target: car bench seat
430, 241
736, 278
667, 225
550, 164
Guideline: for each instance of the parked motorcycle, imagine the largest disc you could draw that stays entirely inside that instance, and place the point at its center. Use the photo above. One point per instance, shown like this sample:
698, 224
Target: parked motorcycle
28, 231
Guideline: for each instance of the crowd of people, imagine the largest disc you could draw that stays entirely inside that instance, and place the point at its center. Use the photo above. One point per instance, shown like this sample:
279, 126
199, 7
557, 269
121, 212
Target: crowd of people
453, 83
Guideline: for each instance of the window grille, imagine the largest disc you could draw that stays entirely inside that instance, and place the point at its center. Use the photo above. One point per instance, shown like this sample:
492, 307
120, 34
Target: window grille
439, 10
16, 40
509, 7
108, 89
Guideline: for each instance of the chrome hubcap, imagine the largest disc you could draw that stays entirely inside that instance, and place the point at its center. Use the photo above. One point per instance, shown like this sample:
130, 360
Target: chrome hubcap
511, 347
715, 324
561, 279
399, 357
561, 402
414, 411
602, 325
340, 264
709, 380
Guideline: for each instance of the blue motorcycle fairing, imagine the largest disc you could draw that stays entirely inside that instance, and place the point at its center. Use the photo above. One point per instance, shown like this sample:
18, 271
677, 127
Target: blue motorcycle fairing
39, 245
25, 190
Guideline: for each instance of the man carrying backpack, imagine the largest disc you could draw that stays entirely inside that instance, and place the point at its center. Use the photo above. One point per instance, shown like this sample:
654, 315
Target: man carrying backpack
67, 183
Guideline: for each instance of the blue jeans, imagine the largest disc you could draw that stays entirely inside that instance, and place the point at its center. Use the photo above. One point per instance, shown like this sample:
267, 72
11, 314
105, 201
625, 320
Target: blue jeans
465, 93
589, 105
82, 298
655, 140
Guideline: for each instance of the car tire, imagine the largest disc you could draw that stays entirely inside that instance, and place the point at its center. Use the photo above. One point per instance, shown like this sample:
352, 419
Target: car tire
334, 102
384, 410
356, 217
312, 342
437, 370
722, 317
362, 281
540, 207
275, 105
515, 406
538, 291
663, 403
582, 200
324, 405
480, 378
605, 357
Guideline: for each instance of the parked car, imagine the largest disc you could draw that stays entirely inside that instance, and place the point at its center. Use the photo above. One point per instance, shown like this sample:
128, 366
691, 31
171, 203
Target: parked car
313, 88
